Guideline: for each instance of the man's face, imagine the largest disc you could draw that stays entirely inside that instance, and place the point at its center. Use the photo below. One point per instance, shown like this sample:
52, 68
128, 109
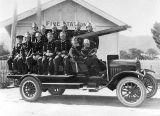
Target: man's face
38, 36
89, 28
43, 30
86, 43
75, 44
34, 28
19, 40
78, 27
54, 29
27, 39
64, 28
50, 38
63, 36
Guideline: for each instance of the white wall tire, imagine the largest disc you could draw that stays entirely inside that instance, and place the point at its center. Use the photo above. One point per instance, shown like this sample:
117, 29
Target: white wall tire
131, 92
151, 85
30, 89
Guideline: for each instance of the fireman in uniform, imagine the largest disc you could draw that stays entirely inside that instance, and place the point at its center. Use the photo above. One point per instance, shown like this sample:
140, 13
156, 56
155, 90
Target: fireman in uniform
62, 48
65, 30
55, 32
43, 34
77, 32
48, 55
35, 58
89, 51
75, 52
87, 54
95, 39
35, 29
26, 52
15, 56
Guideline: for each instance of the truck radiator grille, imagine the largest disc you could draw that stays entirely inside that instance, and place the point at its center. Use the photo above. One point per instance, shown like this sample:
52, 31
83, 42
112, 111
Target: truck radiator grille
114, 71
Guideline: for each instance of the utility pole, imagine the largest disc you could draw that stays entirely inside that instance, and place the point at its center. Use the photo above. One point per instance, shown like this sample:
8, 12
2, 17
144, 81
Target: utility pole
14, 24
39, 13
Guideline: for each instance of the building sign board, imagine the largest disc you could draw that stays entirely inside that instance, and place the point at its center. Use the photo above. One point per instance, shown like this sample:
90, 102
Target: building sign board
70, 24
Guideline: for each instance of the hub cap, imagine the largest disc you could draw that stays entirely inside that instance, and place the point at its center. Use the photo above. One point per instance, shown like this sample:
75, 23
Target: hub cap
29, 89
131, 92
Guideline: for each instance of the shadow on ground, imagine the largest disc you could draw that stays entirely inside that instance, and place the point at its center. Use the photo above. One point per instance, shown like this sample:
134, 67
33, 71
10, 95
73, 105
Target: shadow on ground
151, 103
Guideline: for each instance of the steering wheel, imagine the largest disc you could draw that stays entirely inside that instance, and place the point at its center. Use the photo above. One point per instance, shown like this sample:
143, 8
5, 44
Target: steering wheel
92, 52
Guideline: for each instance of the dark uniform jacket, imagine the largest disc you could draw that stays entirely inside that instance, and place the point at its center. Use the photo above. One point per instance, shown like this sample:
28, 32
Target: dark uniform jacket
63, 46
68, 35
33, 37
49, 47
27, 49
94, 39
44, 37
55, 35
38, 48
16, 49
74, 53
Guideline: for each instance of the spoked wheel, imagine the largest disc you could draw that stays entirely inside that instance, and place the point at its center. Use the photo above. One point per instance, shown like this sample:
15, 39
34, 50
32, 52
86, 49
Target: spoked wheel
55, 91
131, 92
151, 85
30, 89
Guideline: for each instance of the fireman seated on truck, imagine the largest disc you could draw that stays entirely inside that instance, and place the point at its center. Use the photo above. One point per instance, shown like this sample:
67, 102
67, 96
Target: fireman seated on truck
86, 54
48, 55
62, 49
15, 55
36, 57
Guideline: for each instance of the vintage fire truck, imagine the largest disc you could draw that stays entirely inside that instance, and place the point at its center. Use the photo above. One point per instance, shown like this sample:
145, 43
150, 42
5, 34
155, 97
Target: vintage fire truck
132, 83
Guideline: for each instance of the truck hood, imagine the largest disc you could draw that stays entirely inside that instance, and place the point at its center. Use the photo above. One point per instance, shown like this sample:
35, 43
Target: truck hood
123, 62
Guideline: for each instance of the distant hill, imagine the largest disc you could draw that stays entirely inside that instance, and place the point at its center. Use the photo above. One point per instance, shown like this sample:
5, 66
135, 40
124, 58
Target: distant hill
5, 38
143, 42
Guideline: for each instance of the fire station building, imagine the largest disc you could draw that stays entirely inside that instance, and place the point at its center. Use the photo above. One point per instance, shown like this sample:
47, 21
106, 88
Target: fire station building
71, 11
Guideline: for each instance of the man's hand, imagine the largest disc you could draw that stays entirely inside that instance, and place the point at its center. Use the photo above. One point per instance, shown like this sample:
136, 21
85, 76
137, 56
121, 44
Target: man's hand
50, 54
17, 56
47, 54
59, 53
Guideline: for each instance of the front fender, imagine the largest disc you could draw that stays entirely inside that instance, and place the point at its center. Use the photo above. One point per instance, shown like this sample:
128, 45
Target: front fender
30, 75
114, 81
147, 70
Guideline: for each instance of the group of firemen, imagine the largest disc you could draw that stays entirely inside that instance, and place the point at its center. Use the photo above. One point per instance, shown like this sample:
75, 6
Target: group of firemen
43, 52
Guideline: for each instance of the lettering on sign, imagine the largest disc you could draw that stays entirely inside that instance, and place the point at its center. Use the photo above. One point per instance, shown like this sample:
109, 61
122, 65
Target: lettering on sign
59, 24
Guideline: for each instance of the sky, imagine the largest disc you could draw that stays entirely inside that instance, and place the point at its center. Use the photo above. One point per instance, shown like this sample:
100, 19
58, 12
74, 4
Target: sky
139, 14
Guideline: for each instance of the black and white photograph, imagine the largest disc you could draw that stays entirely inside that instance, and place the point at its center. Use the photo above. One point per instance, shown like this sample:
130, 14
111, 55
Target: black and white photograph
79, 57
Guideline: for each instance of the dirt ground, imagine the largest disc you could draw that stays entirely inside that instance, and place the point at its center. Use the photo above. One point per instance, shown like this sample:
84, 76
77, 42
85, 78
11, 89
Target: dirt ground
74, 103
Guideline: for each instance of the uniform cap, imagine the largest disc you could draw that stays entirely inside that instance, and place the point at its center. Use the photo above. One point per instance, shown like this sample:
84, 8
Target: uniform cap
43, 27
78, 24
62, 33
34, 24
86, 41
64, 25
38, 34
54, 26
20, 37
74, 40
27, 34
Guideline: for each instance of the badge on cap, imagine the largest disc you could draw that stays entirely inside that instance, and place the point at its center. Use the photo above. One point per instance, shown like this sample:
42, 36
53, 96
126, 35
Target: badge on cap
43, 27
49, 34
